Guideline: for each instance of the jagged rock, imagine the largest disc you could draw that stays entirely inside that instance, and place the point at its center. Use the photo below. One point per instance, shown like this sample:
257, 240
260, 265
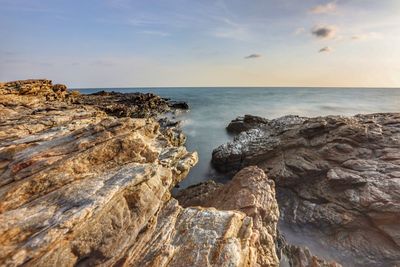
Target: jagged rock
251, 192
301, 257
136, 105
179, 105
84, 196
40, 88
196, 237
241, 124
59, 88
81, 188
336, 176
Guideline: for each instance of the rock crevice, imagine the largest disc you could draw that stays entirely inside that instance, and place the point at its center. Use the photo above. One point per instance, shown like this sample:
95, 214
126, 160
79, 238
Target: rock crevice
337, 176
85, 180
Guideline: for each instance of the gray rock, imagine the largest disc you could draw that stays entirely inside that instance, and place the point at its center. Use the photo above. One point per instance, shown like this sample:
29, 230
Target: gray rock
337, 175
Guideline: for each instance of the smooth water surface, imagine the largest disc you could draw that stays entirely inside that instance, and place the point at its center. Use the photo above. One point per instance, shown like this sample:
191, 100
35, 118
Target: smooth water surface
211, 109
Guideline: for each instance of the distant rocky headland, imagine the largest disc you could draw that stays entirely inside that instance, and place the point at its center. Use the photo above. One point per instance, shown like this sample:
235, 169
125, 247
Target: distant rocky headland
86, 180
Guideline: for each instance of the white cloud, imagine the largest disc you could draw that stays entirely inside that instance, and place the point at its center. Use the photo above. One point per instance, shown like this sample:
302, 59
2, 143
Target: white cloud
367, 36
324, 9
156, 33
299, 31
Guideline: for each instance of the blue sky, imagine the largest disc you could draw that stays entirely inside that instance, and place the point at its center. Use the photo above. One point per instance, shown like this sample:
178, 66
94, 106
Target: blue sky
105, 43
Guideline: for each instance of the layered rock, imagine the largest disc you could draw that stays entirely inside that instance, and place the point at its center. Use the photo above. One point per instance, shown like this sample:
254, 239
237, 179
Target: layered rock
337, 180
251, 192
39, 88
79, 187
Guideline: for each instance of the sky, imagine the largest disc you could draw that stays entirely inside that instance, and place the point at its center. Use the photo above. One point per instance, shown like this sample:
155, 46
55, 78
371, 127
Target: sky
154, 43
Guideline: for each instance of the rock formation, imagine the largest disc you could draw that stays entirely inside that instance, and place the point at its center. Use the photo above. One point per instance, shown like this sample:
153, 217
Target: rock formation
136, 105
337, 178
245, 123
83, 184
251, 192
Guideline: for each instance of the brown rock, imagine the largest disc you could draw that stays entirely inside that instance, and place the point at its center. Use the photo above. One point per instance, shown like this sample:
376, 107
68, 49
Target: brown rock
251, 192
81, 188
337, 178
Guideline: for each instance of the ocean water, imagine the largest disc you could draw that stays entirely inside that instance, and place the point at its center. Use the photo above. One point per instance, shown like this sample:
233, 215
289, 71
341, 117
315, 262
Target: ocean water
211, 109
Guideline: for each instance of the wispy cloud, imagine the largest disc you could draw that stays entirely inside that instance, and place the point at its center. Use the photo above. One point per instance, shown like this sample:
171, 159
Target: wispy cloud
324, 9
325, 49
103, 62
156, 33
366, 36
142, 21
230, 30
252, 56
299, 31
324, 32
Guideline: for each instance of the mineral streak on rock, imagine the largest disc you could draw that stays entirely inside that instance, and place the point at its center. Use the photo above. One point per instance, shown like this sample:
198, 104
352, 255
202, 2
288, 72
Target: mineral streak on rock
339, 176
250, 191
80, 187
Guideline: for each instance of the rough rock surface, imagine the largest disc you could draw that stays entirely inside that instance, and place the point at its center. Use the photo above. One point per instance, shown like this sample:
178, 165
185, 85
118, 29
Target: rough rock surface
245, 123
136, 105
251, 192
79, 187
337, 178
41, 89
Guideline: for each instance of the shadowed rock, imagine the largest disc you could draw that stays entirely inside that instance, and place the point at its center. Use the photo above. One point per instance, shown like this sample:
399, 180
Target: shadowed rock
335, 176
245, 123
252, 192
136, 105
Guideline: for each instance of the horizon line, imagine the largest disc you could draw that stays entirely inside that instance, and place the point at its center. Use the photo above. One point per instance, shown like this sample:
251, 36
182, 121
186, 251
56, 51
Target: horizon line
236, 87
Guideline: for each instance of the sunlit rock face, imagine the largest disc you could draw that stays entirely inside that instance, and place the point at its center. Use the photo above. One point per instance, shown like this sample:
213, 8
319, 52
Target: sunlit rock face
250, 192
337, 178
82, 187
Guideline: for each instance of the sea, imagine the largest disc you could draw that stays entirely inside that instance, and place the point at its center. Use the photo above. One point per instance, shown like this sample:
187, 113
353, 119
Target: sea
212, 108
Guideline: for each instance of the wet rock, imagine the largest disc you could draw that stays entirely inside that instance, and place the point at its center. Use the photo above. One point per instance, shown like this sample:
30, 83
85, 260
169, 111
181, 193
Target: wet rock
336, 175
135, 105
179, 105
245, 123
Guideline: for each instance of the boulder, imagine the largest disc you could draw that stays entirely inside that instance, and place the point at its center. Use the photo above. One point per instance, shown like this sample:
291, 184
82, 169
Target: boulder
241, 124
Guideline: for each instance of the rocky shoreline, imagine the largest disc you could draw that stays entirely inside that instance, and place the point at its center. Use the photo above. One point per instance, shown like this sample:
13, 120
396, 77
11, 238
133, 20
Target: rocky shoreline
86, 180
337, 179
